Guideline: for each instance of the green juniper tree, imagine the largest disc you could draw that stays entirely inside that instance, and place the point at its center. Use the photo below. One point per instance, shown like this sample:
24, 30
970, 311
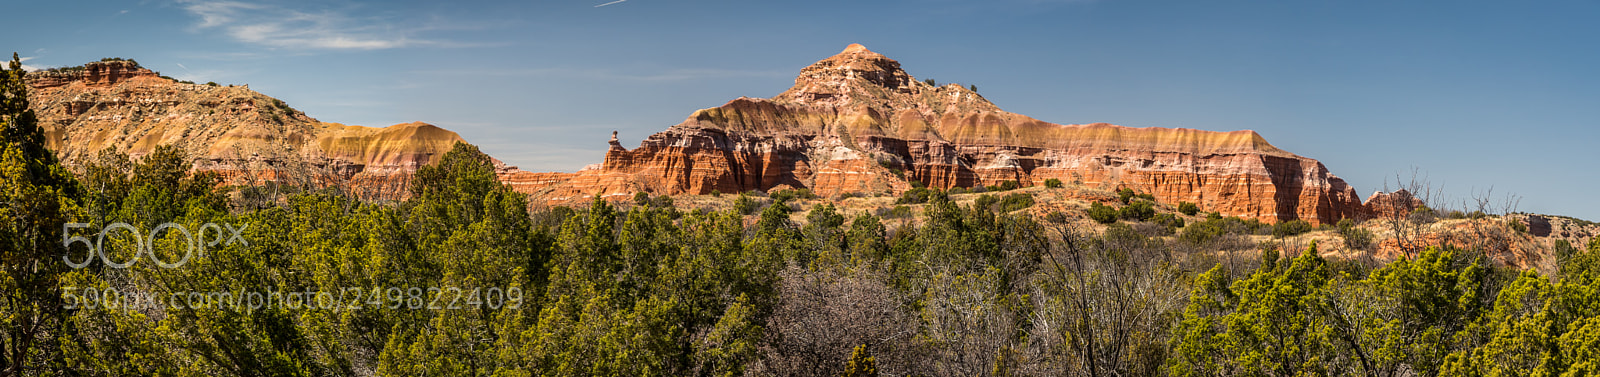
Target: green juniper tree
38, 197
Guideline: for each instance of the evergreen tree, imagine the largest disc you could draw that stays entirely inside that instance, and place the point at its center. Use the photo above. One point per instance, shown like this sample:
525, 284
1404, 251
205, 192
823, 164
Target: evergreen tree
38, 198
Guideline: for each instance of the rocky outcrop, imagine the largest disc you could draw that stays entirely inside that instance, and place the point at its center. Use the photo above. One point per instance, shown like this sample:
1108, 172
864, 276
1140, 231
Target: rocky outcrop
1391, 205
246, 136
857, 122
94, 74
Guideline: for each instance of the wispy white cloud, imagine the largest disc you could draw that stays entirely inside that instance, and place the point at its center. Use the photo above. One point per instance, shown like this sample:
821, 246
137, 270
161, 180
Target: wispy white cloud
25, 67
282, 27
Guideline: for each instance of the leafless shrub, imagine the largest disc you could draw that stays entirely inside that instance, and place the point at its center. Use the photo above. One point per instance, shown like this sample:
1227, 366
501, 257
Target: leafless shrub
1103, 309
821, 316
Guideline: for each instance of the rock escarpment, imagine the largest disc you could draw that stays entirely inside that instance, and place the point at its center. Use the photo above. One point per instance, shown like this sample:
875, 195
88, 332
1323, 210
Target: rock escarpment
856, 122
248, 137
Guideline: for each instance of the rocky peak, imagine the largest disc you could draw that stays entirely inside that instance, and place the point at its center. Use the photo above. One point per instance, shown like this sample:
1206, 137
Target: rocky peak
855, 66
858, 77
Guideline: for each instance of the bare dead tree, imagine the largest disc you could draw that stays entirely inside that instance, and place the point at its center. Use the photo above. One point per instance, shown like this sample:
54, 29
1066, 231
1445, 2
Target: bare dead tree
1488, 231
1103, 303
1410, 195
822, 315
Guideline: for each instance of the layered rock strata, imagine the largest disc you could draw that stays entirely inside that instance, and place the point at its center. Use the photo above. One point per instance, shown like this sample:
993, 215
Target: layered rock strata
248, 137
857, 122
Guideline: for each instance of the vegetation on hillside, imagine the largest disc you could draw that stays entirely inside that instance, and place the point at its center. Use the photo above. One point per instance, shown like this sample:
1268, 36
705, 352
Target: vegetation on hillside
462, 279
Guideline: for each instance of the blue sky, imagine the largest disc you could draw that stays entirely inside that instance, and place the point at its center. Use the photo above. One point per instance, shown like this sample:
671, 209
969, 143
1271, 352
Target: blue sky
1474, 94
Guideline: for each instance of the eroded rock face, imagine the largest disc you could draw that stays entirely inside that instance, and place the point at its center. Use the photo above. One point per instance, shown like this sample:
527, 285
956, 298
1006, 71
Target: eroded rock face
94, 74
852, 121
244, 135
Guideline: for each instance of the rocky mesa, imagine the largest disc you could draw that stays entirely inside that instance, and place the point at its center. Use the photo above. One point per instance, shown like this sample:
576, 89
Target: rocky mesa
857, 123
246, 136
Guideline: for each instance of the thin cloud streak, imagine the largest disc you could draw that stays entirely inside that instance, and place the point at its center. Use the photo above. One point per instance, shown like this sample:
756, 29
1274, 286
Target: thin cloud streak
25, 67
280, 27
614, 2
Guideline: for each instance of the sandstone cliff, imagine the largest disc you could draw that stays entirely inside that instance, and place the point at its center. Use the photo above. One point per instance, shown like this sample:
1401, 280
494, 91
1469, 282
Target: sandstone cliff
852, 119
248, 137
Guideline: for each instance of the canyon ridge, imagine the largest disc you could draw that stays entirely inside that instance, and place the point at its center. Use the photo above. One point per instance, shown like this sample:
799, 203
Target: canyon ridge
856, 123
853, 124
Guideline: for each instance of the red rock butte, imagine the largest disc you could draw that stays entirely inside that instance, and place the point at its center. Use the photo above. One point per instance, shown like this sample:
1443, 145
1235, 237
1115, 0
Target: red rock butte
852, 119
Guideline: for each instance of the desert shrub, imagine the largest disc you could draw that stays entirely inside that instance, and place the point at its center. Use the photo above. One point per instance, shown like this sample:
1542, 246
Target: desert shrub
897, 212
662, 201
1005, 186
1202, 232
1170, 221
1127, 195
985, 201
641, 199
1355, 237
1052, 183
1564, 251
1102, 213
1008, 203
1057, 217
1188, 209
956, 190
786, 195
1123, 235
715, 193
1517, 226
1124, 195
1140, 210
1424, 215
1149, 229
1015, 202
745, 205
917, 195
1291, 228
